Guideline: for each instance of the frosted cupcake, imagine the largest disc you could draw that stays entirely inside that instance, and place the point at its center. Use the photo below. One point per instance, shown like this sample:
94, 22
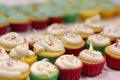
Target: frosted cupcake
83, 30
73, 43
112, 53
43, 70
112, 32
57, 30
13, 70
22, 52
32, 39
93, 61
49, 47
95, 23
70, 67
99, 42
10, 40
3, 55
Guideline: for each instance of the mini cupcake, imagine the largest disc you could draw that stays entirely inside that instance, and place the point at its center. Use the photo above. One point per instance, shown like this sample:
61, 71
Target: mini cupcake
22, 52
13, 70
3, 55
10, 40
4, 24
99, 42
82, 30
70, 67
94, 23
117, 10
49, 47
112, 53
112, 32
70, 15
73, 43
57, 30
39, 20
107, 10
32, 39
19, 22
43, 70
93, 61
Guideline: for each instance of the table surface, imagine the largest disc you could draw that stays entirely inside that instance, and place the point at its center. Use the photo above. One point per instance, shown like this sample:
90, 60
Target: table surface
107, 73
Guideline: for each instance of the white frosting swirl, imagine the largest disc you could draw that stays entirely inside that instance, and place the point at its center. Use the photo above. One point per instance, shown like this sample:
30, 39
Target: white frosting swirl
43, 68
71, 38
91, 55
11, 69
82, 28
115, 48
11, 40
112, 31
31, 39
49, 43
57, 29
68, 62
21, 51
99, 40
3, 55
94, 22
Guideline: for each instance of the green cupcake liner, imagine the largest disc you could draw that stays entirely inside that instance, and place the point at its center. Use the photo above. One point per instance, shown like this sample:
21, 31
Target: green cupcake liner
70, 18
54, 77
52, 60
101, 49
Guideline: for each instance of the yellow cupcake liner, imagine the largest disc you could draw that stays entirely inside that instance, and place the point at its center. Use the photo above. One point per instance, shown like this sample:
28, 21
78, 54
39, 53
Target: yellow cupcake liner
107, 51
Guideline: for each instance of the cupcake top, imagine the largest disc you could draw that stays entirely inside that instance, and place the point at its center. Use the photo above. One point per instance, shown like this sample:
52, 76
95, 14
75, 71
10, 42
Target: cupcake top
82, 28
68, 62
71, 38
112, 31
49, 43
99, 40
3, 54
115, 48
3, 21
43, 68
21, 51
10, 40
91, 55
94, 22
57, 29
11, 68
31, 39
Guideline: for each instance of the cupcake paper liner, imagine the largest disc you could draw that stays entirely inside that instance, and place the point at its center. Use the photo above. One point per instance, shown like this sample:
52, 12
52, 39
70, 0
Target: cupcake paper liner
75, 52
52, 60
54, 77
112, 62
3, 30
70, 74
20, 27
91, 69
55, 20
70, 18
40, 24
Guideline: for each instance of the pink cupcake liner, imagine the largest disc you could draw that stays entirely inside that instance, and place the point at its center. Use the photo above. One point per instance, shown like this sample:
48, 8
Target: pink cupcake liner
70, 74
20, 27
4, 30
39, 24
55, 20
112, 62
92, 69
75, 52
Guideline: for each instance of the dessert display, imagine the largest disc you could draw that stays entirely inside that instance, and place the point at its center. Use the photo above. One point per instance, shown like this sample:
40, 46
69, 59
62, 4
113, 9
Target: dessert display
70, 67
92, 60
99, 42
112, 53
49, 47
73, 43
43, 70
